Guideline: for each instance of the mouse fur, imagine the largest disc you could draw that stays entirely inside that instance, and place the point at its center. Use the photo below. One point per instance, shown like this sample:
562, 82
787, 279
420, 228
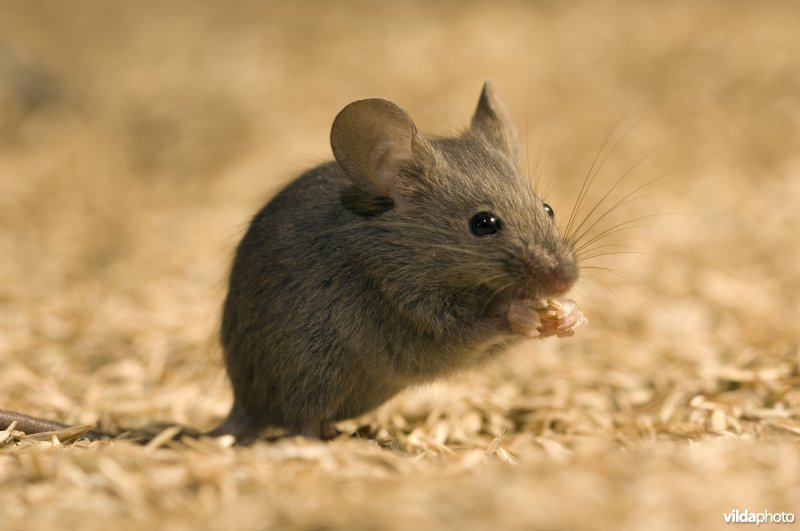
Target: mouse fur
362, 276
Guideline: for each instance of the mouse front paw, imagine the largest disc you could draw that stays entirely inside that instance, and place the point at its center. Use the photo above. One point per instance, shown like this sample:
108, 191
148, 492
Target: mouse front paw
535, 318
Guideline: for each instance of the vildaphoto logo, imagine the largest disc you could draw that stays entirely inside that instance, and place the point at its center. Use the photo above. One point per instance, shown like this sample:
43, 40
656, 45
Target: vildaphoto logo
764, 517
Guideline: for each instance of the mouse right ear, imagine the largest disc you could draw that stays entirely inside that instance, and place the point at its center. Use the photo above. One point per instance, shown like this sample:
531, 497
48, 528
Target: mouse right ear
493, 122
373, 140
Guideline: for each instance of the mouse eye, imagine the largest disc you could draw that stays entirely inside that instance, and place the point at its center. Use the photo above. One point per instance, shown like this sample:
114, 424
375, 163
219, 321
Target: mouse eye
549, 210
485, 224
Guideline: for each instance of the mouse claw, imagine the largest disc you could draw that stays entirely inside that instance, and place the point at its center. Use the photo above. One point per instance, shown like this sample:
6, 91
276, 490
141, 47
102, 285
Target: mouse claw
523, 316
560, 318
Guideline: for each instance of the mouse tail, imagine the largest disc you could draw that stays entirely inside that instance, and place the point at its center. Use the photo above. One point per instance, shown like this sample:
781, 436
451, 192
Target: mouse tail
32, 425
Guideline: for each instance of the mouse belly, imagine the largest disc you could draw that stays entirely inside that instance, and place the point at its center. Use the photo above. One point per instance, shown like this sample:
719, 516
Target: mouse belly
365, 399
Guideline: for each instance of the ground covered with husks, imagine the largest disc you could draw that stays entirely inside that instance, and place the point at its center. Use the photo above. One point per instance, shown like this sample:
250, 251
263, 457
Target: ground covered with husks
136, 141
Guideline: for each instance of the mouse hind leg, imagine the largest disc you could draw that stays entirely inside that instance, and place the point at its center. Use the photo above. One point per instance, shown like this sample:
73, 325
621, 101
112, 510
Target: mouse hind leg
314, 429
238, 424
242, 427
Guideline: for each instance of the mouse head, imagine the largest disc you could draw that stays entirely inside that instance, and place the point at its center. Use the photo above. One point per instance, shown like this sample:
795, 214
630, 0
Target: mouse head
453, 212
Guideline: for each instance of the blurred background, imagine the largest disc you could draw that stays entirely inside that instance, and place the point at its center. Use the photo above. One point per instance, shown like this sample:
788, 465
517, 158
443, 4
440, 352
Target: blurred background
136, 139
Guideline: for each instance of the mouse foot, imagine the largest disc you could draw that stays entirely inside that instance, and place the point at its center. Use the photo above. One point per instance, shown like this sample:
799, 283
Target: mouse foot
534, 318
328, 432
238, 424
523, 316
560, 318
315, 429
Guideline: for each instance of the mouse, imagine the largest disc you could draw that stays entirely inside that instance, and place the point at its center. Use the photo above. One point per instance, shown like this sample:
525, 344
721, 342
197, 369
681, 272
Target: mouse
406, 259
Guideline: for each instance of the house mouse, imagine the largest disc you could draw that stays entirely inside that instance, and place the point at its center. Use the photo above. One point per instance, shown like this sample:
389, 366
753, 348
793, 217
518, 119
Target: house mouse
407, 259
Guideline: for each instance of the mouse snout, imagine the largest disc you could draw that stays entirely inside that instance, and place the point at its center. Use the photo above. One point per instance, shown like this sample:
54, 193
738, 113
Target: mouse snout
564, 275
553, 275
559, 285
558, 281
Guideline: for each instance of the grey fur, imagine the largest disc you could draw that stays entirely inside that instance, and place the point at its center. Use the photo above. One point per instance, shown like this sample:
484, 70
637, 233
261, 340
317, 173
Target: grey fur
362, 277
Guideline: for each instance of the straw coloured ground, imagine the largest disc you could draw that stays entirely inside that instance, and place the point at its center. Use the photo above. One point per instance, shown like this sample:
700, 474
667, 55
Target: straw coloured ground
136, 142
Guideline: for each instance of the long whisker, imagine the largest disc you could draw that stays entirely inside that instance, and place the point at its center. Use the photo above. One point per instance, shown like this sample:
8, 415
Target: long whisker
545, 187
601, 284
609, 270
624, 277
627, 196
609, 246
590, 176
537, 169
619, 228
597, 255
589, 173
605, 232
528, 126
620, 180
596, 237
495, 294
586, 277
611, 150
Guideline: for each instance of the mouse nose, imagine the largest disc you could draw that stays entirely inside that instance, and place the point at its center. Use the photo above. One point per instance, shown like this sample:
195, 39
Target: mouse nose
560, 287
554, 275
563, 276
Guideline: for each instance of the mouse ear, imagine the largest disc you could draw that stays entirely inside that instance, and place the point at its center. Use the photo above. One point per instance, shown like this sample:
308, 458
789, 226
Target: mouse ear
493, 122
373, 140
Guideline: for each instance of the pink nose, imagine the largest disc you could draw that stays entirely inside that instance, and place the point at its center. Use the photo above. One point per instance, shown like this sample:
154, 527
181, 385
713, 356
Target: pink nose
560, 286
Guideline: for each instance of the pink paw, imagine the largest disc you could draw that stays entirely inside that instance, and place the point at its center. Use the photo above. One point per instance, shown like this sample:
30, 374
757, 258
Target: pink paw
534, 318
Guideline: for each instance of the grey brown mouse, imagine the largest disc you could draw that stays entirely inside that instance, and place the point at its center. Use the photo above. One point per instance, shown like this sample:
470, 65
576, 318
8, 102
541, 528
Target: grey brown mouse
407, 259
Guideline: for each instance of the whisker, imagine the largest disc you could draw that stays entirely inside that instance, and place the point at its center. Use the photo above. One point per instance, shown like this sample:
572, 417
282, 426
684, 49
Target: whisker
621, 227
537, 169
605, 232
627, 197
586, 277
599, 283
590, 278
545, 188
528, 126
495, 294
620, 180
589, 178
609, 246
607, 269
598, 255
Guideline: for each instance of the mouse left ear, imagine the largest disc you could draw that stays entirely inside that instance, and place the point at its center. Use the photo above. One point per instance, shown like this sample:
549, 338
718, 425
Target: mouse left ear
377, 144
493, 123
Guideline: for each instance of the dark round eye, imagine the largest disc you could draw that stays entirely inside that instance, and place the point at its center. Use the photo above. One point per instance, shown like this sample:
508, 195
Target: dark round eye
549, 210
485, 224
